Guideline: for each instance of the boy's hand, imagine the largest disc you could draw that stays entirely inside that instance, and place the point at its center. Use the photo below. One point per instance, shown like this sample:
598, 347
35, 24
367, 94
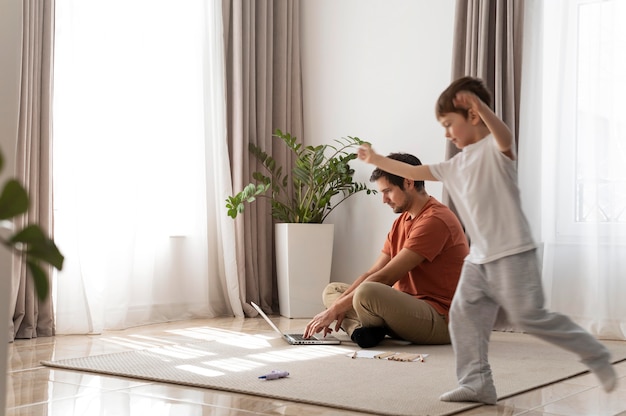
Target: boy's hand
467, 101
366, 153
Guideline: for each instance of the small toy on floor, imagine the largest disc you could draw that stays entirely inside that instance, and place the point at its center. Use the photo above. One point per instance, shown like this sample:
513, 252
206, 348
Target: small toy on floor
274, 374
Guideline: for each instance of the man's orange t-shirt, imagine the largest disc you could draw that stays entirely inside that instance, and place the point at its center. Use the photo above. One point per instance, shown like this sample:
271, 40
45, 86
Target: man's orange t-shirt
437, 235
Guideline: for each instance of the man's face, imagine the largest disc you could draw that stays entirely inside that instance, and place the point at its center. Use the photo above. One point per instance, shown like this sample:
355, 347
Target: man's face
393, 196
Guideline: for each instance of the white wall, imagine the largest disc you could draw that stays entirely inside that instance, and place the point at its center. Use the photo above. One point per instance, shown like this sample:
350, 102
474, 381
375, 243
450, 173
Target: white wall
374, 69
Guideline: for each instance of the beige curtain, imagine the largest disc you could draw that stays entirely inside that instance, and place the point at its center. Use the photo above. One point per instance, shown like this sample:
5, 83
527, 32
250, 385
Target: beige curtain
32, 317
264, 92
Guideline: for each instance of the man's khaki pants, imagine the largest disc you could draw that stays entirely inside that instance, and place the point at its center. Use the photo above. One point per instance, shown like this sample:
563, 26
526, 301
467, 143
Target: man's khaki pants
378, 305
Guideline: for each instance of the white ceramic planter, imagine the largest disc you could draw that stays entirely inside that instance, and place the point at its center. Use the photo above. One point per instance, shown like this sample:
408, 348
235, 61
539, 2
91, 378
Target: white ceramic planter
303, 261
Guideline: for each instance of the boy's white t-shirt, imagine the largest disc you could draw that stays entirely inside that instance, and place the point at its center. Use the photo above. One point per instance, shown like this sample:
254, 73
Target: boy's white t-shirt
482, 183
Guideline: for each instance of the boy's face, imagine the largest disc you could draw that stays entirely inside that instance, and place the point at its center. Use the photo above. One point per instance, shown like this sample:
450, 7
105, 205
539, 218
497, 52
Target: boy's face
459, 130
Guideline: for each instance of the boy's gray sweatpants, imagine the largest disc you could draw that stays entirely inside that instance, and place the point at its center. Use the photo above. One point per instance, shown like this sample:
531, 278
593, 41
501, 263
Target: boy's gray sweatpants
514, 284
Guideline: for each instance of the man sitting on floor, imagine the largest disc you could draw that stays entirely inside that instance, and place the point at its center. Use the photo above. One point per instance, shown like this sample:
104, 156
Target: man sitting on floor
407, 292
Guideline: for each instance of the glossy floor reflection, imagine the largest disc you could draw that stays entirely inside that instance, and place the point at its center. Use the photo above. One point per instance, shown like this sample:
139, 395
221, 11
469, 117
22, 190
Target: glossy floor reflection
35, 390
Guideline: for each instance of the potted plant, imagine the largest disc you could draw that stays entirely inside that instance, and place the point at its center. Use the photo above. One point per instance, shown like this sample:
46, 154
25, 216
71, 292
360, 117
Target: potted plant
320, 180
301, 198
29, 242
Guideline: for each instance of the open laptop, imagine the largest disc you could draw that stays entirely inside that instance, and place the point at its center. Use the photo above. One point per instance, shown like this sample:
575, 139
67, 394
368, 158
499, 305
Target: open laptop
297, 339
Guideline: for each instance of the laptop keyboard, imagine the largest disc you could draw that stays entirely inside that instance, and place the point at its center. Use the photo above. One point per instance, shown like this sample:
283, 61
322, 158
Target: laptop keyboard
300, 337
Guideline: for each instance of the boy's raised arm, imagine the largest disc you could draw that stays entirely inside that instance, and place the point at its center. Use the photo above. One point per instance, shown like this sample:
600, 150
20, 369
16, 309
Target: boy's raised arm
395, 167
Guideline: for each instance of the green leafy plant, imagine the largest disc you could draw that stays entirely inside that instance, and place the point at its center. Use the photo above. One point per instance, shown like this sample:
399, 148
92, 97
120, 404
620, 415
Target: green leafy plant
30, 242
320, 180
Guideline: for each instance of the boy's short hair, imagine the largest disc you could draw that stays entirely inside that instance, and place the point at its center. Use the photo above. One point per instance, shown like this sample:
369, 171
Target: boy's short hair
445, 103
395, 179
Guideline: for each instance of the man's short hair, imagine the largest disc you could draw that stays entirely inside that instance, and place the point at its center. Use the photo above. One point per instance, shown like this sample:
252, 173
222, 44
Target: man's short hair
395, 179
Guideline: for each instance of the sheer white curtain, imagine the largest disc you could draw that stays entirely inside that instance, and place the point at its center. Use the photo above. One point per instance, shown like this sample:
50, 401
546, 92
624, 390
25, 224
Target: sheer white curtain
140, 164
573, 129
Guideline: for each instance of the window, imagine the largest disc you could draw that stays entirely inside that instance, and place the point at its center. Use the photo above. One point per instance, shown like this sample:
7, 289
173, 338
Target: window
584, 88
600, 187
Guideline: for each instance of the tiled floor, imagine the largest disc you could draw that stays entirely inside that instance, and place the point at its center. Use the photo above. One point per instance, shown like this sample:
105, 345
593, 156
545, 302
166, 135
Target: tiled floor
35, 390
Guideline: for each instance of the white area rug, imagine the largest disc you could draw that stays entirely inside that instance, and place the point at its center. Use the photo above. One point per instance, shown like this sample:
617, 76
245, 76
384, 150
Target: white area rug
329, 376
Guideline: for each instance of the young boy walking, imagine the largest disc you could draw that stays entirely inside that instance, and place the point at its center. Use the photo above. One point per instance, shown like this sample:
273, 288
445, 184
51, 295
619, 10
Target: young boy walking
501, 270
